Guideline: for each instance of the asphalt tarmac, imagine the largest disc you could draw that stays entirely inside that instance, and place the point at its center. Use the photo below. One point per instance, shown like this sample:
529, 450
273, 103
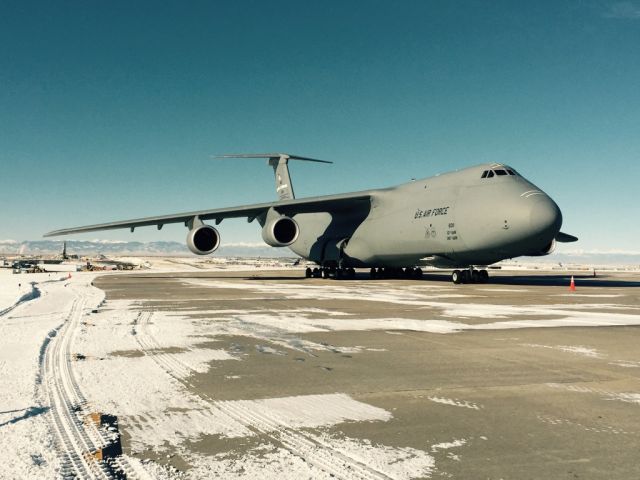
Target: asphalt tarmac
542, 396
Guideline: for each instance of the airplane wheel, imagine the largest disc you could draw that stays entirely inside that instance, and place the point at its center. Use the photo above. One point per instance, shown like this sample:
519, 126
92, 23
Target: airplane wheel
456, 277
465, 276
475, 277
308, 273
325, 273
351, 273
372, 273
484, 276
317, 273
417, 273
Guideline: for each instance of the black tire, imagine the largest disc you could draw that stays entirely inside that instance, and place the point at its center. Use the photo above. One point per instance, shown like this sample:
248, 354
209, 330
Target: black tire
417, 273
475, 276
308, 273
373, 274
484, 276
456, 277
351, 273
466, 276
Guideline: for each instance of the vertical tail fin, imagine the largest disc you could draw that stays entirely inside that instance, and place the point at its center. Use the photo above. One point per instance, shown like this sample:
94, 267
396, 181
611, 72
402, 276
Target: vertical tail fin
279, 162
284, 187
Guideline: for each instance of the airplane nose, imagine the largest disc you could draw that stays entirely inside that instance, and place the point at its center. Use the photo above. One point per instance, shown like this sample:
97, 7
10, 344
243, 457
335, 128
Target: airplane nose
545, 216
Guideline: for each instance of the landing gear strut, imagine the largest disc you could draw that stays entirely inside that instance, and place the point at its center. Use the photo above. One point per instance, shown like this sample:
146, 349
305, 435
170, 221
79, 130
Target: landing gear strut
470, 276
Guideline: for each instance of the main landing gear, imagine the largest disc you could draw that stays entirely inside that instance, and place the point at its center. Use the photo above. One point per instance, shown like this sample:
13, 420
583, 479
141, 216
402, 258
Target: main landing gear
470, 276
331, 272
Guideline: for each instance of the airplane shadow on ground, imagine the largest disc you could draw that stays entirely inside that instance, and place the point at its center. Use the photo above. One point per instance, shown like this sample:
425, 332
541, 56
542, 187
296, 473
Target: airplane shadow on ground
28, 413
555, 280
560, 280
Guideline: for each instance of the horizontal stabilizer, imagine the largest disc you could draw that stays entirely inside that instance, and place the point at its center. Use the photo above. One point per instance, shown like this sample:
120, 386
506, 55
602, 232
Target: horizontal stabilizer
565, 238
287, 156
279, 161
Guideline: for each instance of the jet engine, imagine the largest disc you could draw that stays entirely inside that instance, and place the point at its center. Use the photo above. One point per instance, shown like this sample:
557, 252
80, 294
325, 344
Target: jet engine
546, 250
203, 239
280, 232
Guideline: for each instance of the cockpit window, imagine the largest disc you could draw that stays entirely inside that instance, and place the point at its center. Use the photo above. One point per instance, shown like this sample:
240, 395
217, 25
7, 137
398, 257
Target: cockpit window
501, 172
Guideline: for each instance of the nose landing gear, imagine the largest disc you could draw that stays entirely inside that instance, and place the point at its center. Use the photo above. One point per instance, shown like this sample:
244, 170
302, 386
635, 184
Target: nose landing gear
470, 276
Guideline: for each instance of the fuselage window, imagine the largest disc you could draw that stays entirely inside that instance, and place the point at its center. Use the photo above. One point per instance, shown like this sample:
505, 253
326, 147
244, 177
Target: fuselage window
500, 172
484, 174
511, 172
490, 174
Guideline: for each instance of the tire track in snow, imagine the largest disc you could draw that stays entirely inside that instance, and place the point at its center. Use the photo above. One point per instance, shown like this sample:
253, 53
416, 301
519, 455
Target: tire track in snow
76, 439
311, 449
32, 295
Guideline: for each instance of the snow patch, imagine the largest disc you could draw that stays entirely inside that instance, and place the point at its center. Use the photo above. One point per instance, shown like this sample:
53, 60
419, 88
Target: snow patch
455, 403
578, 350
199, 360
159, 428
628, 397
312, 410
626, 363
625, 397
395, 462
270, 461
447, 445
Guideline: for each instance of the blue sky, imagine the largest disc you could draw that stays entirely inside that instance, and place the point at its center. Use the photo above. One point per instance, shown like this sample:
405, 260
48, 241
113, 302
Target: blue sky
111, 110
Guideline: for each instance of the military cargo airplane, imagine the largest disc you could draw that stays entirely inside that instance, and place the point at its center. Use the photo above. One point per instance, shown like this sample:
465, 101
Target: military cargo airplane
462, 220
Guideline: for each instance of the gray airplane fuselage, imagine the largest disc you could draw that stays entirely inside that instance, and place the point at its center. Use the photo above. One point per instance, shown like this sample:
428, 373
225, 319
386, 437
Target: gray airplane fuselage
456, 219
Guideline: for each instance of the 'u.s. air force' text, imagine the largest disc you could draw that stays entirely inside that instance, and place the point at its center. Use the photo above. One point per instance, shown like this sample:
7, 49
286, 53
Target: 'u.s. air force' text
432, 212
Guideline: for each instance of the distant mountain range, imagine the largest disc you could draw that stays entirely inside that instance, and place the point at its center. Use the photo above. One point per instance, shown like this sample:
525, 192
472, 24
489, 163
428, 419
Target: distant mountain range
169, 248
591, 258
117, 248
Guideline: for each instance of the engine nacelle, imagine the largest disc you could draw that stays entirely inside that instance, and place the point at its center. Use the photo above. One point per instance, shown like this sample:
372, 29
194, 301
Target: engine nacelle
203, 239
280, 232
546, 250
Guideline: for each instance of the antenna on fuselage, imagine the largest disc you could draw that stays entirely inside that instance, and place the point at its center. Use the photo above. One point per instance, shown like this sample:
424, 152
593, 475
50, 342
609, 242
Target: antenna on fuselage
279, 162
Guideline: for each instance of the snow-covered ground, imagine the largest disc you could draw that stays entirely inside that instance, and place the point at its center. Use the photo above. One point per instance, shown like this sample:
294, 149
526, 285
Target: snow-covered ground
26, 441
47, 318
46, 394
16, 288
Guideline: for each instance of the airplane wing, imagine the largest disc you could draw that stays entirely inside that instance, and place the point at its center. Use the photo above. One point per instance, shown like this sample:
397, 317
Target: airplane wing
355, 202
